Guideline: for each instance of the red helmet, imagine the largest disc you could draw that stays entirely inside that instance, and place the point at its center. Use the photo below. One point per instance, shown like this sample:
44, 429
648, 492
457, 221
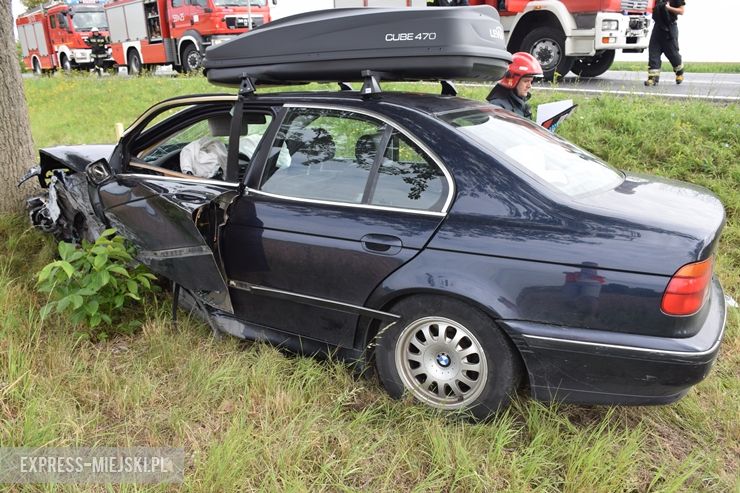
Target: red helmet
522, 64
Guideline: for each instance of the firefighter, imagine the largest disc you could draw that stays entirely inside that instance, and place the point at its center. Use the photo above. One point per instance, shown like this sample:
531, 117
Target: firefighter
98, 48
664, 39
512, 92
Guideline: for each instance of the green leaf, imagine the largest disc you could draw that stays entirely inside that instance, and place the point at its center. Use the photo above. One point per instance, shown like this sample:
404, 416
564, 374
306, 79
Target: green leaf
117, 269
67, 267
118, 300
45, 273
104, 277
65, 249
92, 307
106, 318
77, 301
47, 309
95, 320
63, 304
100, 261
108, 232
132, 287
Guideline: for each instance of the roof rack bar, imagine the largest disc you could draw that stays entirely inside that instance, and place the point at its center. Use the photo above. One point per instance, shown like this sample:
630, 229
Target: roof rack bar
448, 88
371, 84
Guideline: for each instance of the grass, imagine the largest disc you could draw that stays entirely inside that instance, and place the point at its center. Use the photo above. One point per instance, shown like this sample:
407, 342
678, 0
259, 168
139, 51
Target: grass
251, 418
691, 67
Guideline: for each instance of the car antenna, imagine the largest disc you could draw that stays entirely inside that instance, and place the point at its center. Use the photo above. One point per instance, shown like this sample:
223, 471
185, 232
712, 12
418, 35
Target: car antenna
448, 88
371, 84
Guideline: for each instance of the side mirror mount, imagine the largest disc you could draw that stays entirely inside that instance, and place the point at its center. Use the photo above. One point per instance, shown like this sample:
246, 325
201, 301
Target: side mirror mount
98, 172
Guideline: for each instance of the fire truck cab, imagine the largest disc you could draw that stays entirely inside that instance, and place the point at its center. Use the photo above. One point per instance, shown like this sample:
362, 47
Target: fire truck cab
54, 35
177, 32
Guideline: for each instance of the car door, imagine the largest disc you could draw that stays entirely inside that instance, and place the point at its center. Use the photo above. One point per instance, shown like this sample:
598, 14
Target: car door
165, 198
344, 199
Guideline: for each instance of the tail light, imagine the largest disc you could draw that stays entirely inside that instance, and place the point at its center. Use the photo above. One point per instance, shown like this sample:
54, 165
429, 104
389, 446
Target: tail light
688, 289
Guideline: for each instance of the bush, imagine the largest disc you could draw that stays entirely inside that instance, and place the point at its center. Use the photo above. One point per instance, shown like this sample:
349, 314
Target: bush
92, 282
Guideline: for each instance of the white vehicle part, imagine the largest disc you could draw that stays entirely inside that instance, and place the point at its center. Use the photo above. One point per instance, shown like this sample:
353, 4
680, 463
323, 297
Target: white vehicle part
204, 157
126, 48
182, 41
126, 22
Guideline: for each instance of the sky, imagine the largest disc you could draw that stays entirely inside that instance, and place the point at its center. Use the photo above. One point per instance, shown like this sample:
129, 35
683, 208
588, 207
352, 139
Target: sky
705, 32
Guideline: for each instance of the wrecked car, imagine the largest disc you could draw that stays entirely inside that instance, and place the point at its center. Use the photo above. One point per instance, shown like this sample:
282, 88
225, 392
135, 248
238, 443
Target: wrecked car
462, 251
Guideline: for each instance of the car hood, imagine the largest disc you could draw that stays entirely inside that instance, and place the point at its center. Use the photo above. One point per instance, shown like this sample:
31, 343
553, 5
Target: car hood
76, 157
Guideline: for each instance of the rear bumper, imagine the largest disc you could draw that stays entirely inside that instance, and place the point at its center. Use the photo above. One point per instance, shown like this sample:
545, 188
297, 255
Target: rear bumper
598, 367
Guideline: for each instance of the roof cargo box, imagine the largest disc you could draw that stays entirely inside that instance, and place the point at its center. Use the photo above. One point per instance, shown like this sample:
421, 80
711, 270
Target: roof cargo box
337, 45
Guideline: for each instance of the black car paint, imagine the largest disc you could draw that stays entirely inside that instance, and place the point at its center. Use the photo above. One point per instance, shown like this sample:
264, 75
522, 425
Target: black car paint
526, 255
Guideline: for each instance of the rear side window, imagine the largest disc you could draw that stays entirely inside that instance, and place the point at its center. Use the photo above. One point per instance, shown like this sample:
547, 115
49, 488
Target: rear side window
341, 156
536, 151
319, 153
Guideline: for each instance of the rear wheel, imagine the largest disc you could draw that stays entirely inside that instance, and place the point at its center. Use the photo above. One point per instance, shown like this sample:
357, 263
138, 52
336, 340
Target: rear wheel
191, 59
547, 45
448, 355
594, 66
37, 67
134, 63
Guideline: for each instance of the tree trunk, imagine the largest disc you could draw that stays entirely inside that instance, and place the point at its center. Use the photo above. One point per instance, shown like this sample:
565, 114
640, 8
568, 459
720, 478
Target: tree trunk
16, 144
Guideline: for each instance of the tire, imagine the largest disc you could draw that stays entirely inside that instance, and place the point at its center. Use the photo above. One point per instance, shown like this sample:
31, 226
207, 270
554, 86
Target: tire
191, 59
594, 66
134, 63
65, 64
37, 67
412, 356
547, 45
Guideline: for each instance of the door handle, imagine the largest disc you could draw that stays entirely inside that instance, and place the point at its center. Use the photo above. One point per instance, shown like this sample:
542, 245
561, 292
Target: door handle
383, 244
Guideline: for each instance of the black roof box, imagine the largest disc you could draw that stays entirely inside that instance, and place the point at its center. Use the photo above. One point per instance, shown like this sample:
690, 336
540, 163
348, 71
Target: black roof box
337, 45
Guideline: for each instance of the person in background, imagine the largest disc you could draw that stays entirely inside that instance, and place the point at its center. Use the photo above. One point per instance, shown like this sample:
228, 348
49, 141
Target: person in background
97, 43
664, 39
512, 92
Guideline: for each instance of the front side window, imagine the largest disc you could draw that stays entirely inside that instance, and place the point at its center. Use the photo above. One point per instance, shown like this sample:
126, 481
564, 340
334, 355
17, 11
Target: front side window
536, 151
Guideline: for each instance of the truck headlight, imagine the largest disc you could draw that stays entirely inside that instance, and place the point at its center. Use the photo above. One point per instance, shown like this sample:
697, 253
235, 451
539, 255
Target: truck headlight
609, 25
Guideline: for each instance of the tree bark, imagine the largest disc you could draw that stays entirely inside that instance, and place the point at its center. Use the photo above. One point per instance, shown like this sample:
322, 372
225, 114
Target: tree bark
16, 143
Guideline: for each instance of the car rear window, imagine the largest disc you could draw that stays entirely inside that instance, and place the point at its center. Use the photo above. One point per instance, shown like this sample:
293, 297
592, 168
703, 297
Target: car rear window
536, 151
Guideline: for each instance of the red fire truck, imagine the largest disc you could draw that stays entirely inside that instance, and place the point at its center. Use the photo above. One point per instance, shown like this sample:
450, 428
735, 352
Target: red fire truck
177, 32
564, 35
53, 36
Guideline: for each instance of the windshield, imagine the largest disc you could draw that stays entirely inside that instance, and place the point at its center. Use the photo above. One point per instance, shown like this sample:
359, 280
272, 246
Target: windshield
84, 21
536, 151
241, 3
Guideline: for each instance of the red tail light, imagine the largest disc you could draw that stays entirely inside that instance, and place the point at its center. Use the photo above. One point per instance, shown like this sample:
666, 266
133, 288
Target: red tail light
688, 289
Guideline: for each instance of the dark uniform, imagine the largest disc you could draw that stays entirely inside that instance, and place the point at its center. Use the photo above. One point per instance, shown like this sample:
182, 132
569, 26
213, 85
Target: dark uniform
97, 43
508, 99
664, 39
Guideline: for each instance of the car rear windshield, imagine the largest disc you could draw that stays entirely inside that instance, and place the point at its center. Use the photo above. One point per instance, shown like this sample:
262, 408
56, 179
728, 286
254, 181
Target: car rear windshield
536, 151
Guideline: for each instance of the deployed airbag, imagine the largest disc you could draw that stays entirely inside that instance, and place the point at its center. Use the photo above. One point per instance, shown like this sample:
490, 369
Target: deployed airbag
204, 157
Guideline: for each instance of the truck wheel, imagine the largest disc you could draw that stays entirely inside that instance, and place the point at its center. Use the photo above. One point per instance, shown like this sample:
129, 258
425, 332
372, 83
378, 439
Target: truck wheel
448, 355
134, 63
594, 66
191, 59
547, 45
37, 67
66, 65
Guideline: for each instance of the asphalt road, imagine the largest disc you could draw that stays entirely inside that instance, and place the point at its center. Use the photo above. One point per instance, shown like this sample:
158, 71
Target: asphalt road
719, 87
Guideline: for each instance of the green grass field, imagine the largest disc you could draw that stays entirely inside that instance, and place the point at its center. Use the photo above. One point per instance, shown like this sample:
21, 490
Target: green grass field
251, 418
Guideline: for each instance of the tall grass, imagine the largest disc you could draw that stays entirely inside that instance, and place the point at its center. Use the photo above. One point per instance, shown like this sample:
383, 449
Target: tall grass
254, 419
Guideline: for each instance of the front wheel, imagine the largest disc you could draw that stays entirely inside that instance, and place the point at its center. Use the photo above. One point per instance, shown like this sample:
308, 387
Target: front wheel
547, 45
37, 67
595, 65
448, 355
191, 59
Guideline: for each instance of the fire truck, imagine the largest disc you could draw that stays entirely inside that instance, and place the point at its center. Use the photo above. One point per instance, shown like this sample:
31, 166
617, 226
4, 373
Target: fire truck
564, 35
177, 32
53, 36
